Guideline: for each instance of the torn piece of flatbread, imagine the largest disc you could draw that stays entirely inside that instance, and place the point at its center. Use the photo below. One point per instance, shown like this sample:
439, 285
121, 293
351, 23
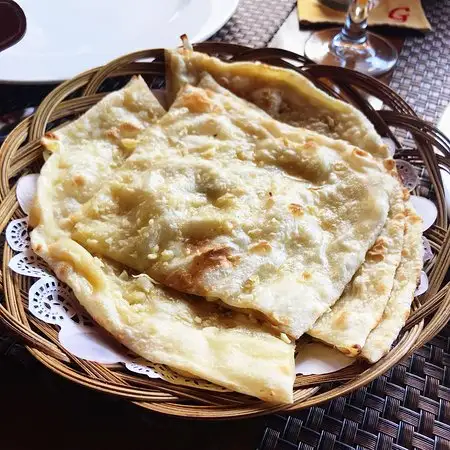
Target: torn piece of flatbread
361, 306
397, 310
284, 94
223, 201
159, 324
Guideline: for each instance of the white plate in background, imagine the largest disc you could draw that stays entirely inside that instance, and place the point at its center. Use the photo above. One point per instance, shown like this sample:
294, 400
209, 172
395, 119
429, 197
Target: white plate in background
66, 37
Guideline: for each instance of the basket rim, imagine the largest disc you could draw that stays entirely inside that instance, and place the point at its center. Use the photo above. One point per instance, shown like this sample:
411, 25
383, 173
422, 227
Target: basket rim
22, 149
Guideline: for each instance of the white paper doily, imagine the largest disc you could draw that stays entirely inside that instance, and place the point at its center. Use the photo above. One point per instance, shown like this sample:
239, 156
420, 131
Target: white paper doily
17, 235
390, 144
423, 284
26, 188
408, 174
315, 358
27, 263
427, 252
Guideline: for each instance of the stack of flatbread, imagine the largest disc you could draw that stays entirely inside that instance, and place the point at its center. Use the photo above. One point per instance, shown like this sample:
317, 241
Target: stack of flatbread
211, 236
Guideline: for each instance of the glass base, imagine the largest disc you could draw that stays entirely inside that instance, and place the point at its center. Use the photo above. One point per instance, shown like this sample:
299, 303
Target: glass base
374, 57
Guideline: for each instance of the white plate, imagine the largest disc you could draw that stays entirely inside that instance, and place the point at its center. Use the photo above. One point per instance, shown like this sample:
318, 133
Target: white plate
66, 37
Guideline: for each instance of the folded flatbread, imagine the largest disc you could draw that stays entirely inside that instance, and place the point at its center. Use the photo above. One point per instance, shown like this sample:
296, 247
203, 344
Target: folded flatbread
397, 310
284, 94
92, 147
223, 201
190, 335
289, 97
360, 308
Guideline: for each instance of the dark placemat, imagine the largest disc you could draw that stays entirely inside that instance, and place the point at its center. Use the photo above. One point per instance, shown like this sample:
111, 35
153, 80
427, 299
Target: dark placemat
14, 97
42, 410
255, 22
408, 407
422, 75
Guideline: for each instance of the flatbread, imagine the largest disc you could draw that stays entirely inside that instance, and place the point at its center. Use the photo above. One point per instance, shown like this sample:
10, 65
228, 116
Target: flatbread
91, 147
350, 320
190, 335
164, 326
361, 306
291, 98
398, 308
284, 94
223, 201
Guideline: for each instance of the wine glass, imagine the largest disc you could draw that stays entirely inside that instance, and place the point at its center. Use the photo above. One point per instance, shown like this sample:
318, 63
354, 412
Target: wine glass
353, 46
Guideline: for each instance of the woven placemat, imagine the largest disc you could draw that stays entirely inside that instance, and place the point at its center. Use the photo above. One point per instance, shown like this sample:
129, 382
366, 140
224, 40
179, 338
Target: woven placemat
422, 75
255, 22
408, 407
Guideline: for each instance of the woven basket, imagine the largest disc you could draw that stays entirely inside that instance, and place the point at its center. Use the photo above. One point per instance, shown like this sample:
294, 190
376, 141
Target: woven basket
21, 152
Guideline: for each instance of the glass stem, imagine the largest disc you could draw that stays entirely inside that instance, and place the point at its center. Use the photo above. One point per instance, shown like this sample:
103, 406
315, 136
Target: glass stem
354, 30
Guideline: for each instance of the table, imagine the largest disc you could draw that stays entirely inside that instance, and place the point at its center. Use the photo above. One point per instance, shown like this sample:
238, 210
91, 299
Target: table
409, 405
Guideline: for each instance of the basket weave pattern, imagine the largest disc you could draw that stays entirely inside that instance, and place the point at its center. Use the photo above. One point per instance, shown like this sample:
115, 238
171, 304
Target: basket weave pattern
21, 153
408, 407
